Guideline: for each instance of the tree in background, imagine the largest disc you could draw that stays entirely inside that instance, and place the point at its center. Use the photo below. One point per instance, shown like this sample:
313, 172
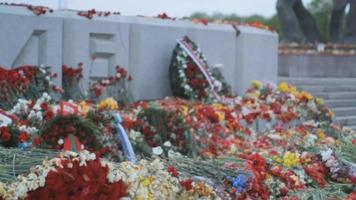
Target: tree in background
321, 10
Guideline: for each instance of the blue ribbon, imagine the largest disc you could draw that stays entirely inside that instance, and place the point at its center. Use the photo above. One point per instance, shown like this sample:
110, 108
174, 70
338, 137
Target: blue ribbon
125, 141
25, 145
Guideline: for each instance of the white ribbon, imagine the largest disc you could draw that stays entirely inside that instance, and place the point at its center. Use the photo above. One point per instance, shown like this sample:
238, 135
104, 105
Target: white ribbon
4, 120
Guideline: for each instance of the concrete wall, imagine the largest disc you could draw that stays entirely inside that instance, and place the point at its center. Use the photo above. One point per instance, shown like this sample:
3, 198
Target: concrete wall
317, 66
143, 45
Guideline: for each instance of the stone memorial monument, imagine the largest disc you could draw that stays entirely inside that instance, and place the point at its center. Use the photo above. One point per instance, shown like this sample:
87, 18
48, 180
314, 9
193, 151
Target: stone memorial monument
142, 45
296, 21
336, 21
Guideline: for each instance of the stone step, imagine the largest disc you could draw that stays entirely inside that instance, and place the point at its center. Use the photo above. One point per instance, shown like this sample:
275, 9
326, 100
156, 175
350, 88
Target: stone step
337, 103
346, 120
322, 88
344, 111
352, 127
335, 95
317, 81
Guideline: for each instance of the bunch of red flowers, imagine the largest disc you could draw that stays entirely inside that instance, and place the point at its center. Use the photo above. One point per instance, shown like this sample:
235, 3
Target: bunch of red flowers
75, 181
5, 134
37, 10
257, 164
165, 16
71, 74
23, 82
317, 171
286, 177
196, 79
99, 87
17, 79
89, 14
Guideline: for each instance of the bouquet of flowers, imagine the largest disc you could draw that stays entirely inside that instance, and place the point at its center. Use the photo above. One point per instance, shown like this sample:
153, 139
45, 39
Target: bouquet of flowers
27, 82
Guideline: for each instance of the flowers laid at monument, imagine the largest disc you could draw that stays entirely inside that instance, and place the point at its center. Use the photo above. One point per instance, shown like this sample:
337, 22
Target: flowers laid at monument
273, 142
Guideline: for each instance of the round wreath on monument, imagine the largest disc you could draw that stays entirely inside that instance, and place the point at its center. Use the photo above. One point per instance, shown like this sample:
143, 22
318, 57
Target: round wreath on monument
190, 75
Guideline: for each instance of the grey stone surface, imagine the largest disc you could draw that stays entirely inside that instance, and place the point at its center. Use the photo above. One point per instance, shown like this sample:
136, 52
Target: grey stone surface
316, 66
26, 39
143, 45
152, 42
107, 41
256, 57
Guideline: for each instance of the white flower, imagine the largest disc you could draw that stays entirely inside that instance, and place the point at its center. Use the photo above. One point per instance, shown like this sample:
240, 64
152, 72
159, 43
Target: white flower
70, 165
187, 87
157, 150
218, 84
218, 65
60, 141
167, 144
311, 138
325, 155
21, 190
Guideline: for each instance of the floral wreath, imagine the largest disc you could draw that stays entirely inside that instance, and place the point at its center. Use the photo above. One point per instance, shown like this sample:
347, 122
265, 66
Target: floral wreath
62, 126
190, 76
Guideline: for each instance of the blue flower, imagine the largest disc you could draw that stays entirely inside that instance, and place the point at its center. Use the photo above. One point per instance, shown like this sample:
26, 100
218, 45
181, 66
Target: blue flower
240, 182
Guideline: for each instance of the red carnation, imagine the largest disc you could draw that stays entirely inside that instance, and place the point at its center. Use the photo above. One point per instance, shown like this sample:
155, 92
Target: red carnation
24, 137
5, 134
37, 141
187, 184
173, 171
44, 106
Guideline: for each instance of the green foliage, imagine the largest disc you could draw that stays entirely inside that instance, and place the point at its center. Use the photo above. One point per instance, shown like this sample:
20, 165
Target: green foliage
16, 161
321, 10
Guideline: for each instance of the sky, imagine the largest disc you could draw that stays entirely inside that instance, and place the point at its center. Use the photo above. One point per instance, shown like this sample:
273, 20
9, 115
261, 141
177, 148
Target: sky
174, 8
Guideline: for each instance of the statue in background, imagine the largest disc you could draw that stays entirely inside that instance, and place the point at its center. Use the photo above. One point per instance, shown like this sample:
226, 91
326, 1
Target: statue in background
296, 20
336, 21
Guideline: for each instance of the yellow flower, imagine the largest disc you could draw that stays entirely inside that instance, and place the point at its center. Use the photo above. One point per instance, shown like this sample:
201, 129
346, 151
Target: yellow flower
306, 95
185, 110
331, 114
294, 91
277, 159
2, 190
283, 87
150, 196
319, 101
147, 181
256, 84
221, 116
202, 189
291, 159
320, 134
218, 106
108, 104
84, 107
